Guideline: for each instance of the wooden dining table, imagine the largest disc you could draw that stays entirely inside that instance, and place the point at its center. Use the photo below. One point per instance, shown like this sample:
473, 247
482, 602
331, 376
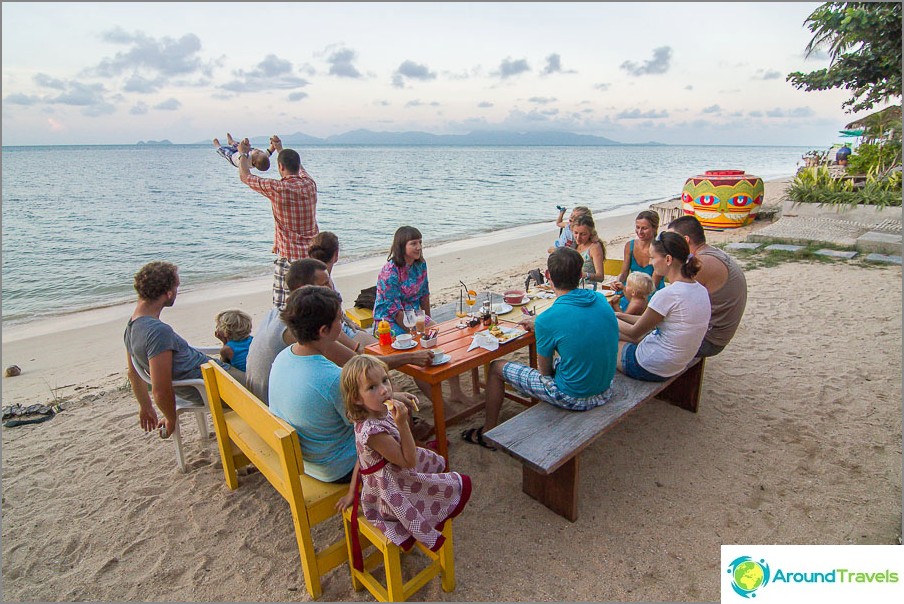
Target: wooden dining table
455, 342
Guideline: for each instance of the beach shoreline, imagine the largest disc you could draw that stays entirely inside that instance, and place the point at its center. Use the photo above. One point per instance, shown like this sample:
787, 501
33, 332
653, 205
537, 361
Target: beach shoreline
44, 348
792, 444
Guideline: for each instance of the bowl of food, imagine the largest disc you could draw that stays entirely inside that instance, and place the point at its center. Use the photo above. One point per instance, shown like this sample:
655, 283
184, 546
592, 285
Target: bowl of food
513, 296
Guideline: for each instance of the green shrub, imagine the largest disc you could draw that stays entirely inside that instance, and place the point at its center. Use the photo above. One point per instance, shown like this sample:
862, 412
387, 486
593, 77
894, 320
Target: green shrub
875, 156
816, 185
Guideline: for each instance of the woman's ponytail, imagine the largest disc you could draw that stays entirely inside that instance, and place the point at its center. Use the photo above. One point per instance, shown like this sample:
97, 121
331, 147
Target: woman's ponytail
691, 266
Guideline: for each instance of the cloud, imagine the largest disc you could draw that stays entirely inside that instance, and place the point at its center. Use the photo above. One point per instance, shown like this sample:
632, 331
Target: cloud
796, 112
168, 105
755, 114
689, 87
767, 74
485, 104
165, 56
382, 103
79, 94
136, 83
554, 65
21, 99
272, 73
509, 68
657, 65
711, 109
297, 96
602, 86
542, 100
54, 125
420, 103
42, 79
91, 97
140, 108
99, 109
637, 114
411, 71
341, 63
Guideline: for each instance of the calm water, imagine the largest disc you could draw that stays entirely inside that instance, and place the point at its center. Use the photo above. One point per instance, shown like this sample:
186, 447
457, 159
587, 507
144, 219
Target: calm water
79, 221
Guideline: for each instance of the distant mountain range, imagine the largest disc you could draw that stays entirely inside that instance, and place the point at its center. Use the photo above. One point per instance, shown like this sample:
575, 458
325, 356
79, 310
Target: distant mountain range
502, 138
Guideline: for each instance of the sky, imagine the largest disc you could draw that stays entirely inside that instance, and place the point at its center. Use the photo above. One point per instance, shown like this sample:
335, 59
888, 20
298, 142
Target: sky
675, 73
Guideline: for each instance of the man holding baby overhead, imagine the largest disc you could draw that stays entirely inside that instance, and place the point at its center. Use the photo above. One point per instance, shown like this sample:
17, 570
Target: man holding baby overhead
294, 202
577, 345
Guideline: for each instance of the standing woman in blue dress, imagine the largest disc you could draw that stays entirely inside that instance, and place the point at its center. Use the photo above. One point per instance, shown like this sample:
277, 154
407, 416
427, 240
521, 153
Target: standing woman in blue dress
637, 253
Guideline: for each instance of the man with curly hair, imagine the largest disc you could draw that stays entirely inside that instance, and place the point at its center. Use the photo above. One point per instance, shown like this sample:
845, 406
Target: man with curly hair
159, 350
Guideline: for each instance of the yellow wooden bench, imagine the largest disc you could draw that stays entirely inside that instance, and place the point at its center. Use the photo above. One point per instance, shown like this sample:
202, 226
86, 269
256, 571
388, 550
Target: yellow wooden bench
272, 446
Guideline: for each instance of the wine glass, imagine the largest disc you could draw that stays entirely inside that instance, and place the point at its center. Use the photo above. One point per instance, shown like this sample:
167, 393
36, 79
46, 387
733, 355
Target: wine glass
470, 301
410, 320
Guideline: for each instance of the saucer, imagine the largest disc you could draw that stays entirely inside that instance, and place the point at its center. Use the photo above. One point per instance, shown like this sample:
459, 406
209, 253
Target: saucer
445, 358
398, 347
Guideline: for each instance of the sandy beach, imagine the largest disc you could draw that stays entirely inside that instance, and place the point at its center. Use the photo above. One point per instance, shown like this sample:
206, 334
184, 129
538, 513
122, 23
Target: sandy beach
797, 441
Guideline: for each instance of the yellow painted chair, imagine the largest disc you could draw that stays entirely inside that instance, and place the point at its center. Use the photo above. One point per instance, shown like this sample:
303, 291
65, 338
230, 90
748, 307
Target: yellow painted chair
397, 589
272, 446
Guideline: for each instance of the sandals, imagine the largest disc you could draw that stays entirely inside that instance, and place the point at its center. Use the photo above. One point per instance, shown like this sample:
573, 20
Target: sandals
475, 437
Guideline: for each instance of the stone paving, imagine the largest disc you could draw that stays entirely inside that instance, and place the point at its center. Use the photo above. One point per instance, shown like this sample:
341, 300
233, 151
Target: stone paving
865, 229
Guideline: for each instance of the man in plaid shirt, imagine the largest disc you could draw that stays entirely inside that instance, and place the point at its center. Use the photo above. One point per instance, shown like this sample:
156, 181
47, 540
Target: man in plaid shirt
294, 202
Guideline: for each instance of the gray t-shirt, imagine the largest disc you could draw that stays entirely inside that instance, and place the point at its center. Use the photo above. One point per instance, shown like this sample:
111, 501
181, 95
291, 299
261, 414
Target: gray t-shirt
146, 337
266, 344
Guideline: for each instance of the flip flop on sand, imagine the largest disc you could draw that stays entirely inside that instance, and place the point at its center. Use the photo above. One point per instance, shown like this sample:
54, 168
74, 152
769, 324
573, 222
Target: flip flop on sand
475, 437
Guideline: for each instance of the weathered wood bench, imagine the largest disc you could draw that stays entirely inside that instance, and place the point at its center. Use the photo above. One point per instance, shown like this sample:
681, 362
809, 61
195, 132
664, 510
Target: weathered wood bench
548, 440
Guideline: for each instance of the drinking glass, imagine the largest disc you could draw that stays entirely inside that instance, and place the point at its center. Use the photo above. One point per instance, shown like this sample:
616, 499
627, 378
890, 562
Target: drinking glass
420, 324
410, 320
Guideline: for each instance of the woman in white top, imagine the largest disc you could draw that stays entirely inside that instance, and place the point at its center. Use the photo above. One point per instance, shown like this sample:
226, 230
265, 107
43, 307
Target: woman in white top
670, 330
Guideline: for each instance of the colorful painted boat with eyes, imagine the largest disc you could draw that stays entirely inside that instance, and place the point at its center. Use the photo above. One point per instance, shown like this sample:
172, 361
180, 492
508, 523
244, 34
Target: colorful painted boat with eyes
723, 199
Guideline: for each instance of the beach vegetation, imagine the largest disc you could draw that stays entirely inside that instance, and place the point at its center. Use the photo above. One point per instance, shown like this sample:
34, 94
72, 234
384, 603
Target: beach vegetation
875, 157
763, 258
863, 41
817, 184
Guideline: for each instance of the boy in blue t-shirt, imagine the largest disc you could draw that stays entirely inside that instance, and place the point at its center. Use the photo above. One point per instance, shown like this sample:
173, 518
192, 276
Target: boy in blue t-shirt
577, 347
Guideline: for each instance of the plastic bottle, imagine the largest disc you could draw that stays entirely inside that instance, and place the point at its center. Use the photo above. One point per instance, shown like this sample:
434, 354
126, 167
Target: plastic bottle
384, 332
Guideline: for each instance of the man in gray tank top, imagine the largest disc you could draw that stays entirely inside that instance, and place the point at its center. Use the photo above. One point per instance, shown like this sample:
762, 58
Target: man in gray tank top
722, 278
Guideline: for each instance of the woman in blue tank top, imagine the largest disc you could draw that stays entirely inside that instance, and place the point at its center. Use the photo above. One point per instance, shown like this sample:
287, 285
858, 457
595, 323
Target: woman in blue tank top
637, 253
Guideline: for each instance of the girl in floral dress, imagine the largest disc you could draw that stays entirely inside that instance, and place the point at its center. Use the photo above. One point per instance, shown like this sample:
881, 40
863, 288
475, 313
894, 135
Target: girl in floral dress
402, 488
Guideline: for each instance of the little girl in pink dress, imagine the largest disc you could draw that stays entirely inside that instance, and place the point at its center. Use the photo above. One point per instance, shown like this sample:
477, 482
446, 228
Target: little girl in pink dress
402, 488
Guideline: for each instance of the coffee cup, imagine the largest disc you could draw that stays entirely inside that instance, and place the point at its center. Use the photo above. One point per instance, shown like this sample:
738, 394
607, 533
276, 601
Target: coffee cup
403, 340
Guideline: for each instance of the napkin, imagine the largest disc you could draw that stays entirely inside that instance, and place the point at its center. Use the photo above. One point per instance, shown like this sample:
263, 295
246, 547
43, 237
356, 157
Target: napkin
484, 339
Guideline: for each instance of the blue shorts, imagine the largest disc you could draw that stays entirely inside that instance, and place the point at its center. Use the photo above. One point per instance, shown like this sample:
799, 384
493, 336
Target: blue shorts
632, 369
532, 383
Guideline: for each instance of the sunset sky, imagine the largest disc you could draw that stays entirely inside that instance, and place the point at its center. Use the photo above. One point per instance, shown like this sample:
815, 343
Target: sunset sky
678, 73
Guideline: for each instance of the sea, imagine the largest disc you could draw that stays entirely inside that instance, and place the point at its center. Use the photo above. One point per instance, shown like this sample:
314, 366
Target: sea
78, 221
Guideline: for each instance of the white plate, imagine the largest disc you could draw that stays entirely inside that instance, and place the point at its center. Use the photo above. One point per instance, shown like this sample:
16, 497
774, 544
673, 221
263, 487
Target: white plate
397, 347
523, 301
501, 308
445, 358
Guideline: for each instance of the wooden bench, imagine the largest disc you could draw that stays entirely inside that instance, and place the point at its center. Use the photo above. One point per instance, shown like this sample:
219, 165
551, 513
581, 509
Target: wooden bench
548, 440
248, 433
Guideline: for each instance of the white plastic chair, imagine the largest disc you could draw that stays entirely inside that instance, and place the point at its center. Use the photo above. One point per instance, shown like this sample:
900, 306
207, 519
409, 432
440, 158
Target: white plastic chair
186, 406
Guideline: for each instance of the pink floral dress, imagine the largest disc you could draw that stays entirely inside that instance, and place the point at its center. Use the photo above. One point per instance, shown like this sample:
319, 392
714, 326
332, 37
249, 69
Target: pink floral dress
408, 505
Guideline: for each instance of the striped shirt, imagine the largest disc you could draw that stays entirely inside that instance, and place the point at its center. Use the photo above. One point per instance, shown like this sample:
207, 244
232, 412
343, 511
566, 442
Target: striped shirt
294, 201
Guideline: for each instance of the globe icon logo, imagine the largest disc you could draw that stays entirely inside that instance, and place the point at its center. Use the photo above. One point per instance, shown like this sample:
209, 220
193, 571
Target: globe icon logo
748, 575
